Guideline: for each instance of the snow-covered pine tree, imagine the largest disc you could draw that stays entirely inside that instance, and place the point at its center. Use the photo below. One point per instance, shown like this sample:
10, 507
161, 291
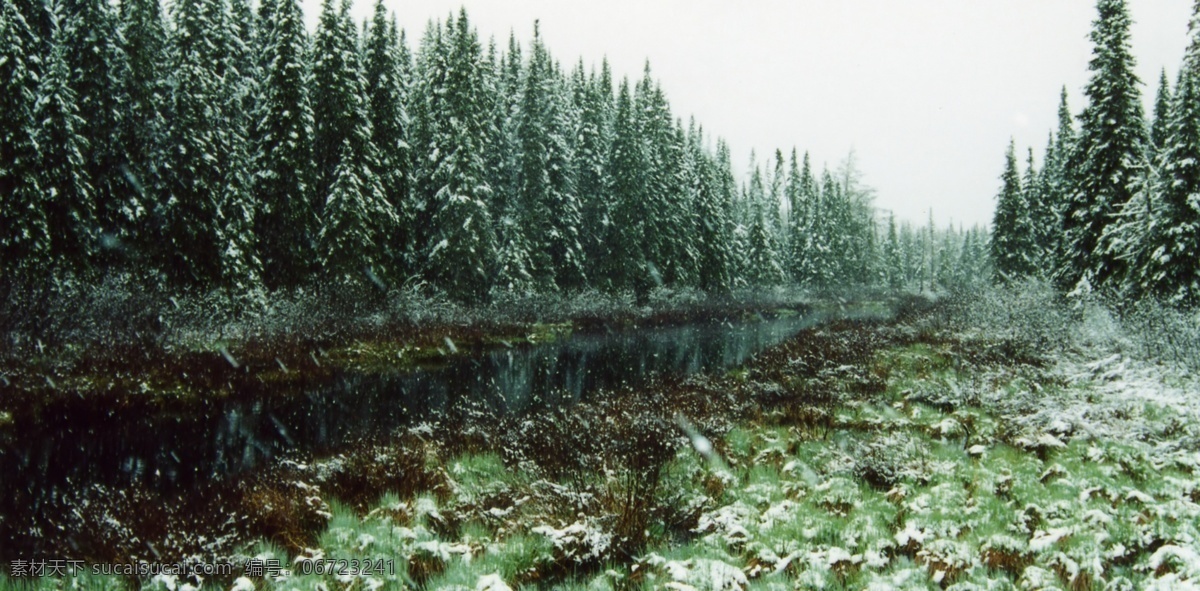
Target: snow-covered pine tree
825, 270
206, 235
36, 15
189, 251
286, 224
1110, 155
1057, 184
627, 262
146, 48
913, 254
665, 251
762, 257
843, 255
778, 205
713, 226
594, 102
1044, 213
348, 244
459, 255
1010, 228
241, 269
264, 27
99, 70
893, 257
547, 181
797, 219
502, 158
1164, 262
24, 233
975, 262
421, 133
856, 222
681, 225
1162, 118
386, 99
1037, 211
355, 215
727, 195
805, 242
339, 109
70, 208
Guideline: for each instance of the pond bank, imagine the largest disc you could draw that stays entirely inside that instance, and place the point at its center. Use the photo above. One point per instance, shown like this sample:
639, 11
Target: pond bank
136, 508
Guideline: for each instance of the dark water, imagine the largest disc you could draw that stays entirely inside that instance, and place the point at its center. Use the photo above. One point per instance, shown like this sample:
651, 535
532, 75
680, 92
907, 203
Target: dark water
164, 447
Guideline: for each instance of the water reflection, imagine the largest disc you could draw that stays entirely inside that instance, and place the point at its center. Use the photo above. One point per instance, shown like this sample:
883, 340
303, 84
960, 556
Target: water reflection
169, 445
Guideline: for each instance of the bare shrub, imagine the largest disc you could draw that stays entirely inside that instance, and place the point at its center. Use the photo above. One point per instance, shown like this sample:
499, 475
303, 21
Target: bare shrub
1158, 331
1026, 320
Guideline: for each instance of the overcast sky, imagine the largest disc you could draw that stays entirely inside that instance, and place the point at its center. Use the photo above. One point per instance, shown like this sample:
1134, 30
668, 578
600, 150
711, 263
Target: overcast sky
927, 92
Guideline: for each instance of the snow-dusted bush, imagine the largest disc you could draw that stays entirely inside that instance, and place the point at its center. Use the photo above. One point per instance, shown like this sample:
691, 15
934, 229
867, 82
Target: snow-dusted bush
1158, 331
1028, 319
69, 309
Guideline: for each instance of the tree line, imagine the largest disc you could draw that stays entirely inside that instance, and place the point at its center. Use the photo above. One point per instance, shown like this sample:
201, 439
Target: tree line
223, 147
1115, 206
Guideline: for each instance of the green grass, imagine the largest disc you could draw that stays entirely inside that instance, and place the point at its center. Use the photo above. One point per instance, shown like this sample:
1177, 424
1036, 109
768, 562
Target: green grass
917, 487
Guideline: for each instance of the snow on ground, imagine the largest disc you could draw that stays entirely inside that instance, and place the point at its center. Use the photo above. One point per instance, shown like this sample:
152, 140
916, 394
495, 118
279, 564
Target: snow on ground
1108, 395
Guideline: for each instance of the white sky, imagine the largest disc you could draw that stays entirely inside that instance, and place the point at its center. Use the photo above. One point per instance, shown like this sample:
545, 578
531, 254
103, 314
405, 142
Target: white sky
928, 92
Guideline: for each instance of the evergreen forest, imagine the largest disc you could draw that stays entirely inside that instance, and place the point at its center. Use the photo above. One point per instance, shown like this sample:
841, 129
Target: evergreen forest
1115, 206
223, 148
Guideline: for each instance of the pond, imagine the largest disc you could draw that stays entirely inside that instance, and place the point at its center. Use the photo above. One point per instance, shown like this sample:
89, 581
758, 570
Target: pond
167, 445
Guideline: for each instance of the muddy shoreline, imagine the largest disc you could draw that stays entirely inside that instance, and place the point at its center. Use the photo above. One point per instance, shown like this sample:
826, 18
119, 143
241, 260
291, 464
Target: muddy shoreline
288, 502
284, 363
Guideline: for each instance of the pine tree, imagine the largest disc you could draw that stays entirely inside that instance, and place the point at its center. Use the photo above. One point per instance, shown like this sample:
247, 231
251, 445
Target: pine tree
806, 243
287, 223
191, 255
1039, 217
241, 269
763, 260
1010, 228
335, 93
386, 98
36, 17
460, 252
714, 228
1163, 254
667, 257
796, 221
514, 251
349, 240
70, 208
354, 212
206, 238
682, 257
627, 262
594, 102
778, 203
1044, 212
910, 247
1110, 155
727, 190
1162, 118
547, 186
99, 71
1057, 184
24, 233
854, 237
146, 48
893, 257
